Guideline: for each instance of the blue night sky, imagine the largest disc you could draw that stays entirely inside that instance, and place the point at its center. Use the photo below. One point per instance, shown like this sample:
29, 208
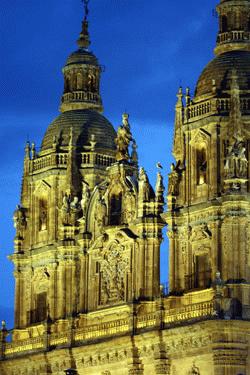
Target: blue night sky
148, 49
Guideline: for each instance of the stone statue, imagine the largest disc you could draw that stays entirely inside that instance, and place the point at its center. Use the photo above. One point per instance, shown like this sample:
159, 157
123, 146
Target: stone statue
174, 179
236, 162
101, 213
144, 187
159, 187
70, 209
85, 198
43, 219
195, 370
123, 139
129, 207
74, 205
66, 203
19, 218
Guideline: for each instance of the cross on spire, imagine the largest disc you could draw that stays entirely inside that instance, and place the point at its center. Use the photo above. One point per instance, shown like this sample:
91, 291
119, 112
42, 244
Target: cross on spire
83, 41
86, 8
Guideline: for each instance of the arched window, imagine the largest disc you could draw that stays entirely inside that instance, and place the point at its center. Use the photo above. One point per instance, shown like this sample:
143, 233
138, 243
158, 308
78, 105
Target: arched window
43, 214
202, 272
40, 312
224, 24
201, 162
116, 209
91, 83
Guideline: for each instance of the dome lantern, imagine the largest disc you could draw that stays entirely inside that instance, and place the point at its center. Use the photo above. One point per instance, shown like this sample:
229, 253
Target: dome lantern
82, 75
234, 26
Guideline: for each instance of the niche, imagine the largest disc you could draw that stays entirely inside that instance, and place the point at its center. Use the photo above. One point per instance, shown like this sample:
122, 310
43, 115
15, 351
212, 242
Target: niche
201, 165
41, 307
202, 271
43, 215
224, 26
115, 217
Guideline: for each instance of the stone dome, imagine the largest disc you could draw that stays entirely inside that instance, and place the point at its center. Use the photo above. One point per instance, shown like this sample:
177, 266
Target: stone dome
85, 123
220, 69
82, 56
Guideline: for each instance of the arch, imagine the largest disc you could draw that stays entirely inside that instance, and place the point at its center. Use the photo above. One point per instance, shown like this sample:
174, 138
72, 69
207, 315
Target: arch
201, 164
202, 271
43, 214
224, 24
115, 213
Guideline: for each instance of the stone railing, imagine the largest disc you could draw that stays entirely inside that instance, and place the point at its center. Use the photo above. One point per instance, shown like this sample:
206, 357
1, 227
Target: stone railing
212, 107
133, 324
80, 96
59, 160
47, 161
196, 311
233, 36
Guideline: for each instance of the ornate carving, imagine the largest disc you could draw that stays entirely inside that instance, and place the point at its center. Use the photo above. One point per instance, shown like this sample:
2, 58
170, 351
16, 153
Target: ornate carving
201, 232
70, 209
114, 266
194, 370
129, 210
20, 220
100, 213
236, 162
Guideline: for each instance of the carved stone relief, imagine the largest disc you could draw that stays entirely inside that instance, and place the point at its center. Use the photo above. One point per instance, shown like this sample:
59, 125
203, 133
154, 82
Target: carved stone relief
113, 266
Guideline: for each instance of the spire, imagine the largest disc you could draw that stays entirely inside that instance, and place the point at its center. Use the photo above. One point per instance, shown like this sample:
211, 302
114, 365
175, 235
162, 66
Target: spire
84, 41
234, 26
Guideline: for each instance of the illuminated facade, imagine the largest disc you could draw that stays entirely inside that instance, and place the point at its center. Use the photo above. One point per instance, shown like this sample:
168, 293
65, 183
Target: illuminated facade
89, 227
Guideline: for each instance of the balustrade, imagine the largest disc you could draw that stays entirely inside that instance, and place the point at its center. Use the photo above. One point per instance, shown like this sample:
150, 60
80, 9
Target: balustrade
196, 311
233, 36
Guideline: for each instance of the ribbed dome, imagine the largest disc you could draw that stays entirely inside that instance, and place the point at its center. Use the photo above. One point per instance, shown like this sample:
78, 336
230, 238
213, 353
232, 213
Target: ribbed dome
84, 123
82, 56
220, 70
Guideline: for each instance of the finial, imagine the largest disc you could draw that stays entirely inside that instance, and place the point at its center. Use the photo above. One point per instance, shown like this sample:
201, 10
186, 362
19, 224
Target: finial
86, 8
180, 96
83, 41
33, 151
27, 150
134, 154
187, 96
3, 323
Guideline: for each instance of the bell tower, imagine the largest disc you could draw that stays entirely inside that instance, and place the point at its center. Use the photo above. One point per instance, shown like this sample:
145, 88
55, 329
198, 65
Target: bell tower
234, 26
89, 226
82, 75
208, 192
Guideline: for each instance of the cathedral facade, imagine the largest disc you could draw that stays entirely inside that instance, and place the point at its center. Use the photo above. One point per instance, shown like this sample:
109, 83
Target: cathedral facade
89, 228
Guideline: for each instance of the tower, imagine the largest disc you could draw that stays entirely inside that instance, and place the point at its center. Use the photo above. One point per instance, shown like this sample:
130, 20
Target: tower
89, 230
88, 227
208, 193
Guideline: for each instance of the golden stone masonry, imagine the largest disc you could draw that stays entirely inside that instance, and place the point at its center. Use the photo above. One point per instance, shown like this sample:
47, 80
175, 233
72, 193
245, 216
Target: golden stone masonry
88, 298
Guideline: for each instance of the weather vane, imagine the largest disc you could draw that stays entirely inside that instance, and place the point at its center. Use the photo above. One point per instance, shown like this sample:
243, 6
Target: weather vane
86, 8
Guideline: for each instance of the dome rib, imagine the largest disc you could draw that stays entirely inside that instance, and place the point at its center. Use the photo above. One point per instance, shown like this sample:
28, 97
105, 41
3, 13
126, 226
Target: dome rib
219, 70
86, 124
